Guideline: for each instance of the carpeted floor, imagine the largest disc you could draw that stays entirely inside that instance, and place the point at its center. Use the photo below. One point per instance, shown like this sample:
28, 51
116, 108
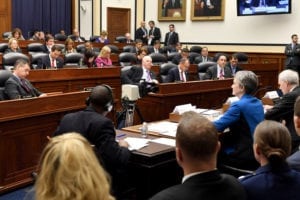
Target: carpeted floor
18, 194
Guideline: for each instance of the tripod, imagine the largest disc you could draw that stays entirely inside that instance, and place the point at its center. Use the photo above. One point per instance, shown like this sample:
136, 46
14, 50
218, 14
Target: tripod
126, 116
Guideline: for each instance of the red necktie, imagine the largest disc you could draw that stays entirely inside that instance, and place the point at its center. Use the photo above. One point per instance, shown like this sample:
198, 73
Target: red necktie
221, 74
52, 63
182, 76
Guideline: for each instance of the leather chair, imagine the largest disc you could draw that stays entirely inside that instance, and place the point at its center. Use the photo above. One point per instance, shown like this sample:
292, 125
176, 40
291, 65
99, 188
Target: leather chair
128, 48
73, 58
62, 46
124, 70
242, 57
172, 55
164, 69
113, 48
127, 58
192, 56
197, 60
80, 48
202, 68
60, 37
3, 47
9, 59
6, 35
4, 76
196, 49
149, 48
93, 38
218, 54
33, 48
158, 58
120, 39
35, 57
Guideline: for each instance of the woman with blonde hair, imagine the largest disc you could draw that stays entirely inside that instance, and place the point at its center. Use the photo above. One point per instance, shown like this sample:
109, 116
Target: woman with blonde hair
69, 169
273, 179
103, 58
13, 46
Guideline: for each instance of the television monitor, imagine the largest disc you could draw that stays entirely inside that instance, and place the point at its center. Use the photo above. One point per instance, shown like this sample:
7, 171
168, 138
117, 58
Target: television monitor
263, 7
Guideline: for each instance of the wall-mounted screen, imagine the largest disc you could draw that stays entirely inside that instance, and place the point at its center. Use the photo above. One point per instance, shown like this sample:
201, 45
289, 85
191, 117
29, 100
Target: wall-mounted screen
263, 7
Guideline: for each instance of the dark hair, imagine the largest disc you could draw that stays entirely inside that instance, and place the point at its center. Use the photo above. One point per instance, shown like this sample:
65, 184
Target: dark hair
196, 136
185, 50
274, 141
101, 97
21, 62
138, 41
151, 21
55, 48
48, 37
294, 35
172, 25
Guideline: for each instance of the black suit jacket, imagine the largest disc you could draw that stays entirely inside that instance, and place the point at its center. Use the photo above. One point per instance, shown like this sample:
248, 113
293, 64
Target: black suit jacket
99, 131
173, 75
176, 59
15, 90
174, 39
237, 68
45, 63
45, 49
292, 56
139, 33
208, 59
212, 73
76, 39
207, 186
156, 33
9, 50
284, 110
134, 75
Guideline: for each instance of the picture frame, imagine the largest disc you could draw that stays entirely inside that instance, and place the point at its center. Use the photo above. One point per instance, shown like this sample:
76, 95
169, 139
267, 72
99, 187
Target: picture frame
171, 10
200, 11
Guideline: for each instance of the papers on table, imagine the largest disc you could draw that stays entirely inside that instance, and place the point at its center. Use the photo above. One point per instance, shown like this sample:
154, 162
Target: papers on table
180, 109
164, 128
165, 141
136, 143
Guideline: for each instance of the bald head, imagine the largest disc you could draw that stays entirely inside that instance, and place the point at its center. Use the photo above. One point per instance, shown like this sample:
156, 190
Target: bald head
147, 62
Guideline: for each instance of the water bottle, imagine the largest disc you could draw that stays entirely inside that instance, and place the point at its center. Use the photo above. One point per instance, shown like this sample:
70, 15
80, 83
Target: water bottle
144, 130
81, 62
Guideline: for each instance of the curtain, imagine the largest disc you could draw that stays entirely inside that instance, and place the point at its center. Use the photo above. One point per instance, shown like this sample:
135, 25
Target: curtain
46, 15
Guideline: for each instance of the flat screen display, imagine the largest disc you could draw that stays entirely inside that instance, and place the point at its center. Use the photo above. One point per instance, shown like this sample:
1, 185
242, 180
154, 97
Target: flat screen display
263, 7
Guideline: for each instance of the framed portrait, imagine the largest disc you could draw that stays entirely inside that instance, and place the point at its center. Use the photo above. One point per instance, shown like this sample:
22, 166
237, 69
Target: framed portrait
207, 10
171, 10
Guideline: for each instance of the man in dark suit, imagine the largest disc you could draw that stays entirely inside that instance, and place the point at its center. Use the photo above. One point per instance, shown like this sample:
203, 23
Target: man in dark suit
204, 56
53, 60
49, 42
141, 33
283, 110
196, 150
154, 33
156, 48
218, 71
171, 38
136, 74
170, 4
138, 46
212, 7
294, 159
17, 86
292, 52
179, 73
128, 39
76, 36
183, 54
233, 64
93, 124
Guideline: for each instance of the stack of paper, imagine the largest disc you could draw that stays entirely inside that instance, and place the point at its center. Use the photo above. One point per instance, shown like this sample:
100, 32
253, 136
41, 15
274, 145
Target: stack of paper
136, 143
164, 128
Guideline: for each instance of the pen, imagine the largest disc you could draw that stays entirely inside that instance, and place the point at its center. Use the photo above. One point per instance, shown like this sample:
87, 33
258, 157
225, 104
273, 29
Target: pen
121, 135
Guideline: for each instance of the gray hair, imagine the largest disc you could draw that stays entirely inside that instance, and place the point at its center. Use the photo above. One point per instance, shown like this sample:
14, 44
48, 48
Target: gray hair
248, 80
289, 76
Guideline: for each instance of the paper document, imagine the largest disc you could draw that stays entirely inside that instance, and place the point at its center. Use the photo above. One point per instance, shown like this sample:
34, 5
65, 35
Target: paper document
136, 143
164, 128
166, 141
180, 109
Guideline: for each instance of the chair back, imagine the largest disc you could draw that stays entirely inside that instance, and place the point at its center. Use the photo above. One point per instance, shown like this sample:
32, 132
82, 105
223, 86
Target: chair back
35, 47
3, 47
149, 48
6, 35
127, 58
73, 58
202, 68
158, 58
60, 37
124, 71
128, 48
172, 55
120, 39
4, 76
9, 59
93, 38
164, 69
113, 48
192, 56
80, 48
35, 57
196, 49
242, 57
